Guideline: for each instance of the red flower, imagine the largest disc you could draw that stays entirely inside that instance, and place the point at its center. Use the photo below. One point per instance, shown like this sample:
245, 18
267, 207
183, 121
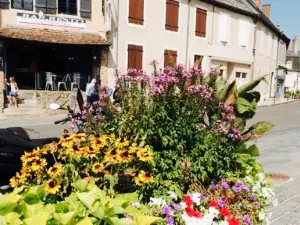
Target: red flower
233, 221
188, 201
224, 212
213, 204
193, 213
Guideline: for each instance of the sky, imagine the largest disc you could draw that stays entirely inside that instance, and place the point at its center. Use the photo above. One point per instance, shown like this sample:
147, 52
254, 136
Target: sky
286, 14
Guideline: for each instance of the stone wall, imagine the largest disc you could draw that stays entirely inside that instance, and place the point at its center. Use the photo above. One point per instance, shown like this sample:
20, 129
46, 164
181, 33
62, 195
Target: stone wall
104, 67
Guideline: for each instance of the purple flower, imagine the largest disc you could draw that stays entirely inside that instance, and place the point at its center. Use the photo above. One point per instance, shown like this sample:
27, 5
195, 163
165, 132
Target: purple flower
157, 90
246, 189
224, 185
221, 203
136, 205
258, 204
167, 210
252, 198
225, 108
177, 207
236, 135
128, 216
214, 187
246, 219
202, 91
170, 220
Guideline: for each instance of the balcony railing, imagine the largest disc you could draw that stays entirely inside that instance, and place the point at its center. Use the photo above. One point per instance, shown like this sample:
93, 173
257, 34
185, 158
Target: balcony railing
22, 4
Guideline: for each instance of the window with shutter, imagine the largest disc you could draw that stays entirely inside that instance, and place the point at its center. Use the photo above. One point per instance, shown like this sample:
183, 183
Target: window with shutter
70, 6
85, 8
136, 12
201, 16
172, 14
244, 34
170, 58
4, 4
46, 6
135, 57
198, 61
262, 41
22, 4
223, 28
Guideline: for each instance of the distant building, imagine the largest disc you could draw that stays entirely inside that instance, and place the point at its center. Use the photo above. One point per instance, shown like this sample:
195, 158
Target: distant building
292, 83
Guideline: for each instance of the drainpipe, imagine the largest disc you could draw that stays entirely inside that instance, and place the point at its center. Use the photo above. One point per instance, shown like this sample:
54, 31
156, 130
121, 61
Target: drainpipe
188, 34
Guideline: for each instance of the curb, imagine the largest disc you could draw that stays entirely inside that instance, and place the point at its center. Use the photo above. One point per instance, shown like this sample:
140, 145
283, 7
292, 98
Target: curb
280, 103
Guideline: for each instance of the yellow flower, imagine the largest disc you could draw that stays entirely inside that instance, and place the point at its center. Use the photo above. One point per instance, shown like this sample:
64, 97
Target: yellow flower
16, 181
112, 157
145, 177
138, 181
125, 157
29, 156
76, 151
80, 137
52, 187
90, 152
53, 147
133, 149
119, 143
55, 170
63, 156
145, 155
38, 164
84, 169
98, 167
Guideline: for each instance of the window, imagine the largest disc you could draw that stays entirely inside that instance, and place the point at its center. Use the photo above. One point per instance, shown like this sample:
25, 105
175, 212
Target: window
241, 75
244, 34
46, 6
198, 60
221, 73
136, 12
22, 4
4, 4
172, 13
67, 7
201, 17
170, 58
223, 28
135, 57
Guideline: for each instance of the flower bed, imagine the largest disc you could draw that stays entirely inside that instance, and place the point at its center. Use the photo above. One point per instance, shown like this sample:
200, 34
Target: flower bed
177, 139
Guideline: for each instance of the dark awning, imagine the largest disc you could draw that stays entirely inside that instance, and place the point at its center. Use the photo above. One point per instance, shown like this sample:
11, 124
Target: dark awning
53, 36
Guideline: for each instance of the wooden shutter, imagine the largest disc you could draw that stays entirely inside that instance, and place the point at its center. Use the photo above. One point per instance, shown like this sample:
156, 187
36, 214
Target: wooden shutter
135, 57
40, 5
4, 4
136, 12
85, 8
223, 28
201, 23
170, 58
243, 34
51, 6
172, 14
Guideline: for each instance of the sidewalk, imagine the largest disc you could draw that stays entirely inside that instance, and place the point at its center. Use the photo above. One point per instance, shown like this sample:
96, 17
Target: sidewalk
270, 102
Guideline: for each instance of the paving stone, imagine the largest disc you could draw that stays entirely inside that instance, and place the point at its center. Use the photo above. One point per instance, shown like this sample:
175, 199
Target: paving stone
289, 219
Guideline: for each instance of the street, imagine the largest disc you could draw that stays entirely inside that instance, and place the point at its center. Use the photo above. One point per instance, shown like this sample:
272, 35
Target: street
280, 152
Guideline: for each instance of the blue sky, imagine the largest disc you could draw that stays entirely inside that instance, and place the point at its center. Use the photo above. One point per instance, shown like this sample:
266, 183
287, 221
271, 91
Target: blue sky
286, 14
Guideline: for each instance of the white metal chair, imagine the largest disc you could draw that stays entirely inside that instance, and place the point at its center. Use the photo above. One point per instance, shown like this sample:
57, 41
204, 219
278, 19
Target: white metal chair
76, 81
63, 82
49, 81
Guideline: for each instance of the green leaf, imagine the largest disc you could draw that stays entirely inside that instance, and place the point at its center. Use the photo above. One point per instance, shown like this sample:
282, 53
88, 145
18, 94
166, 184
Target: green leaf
252, 150
117, 221
131, 197
80, 185
32, 210
99, 212
31, 198
242, 106
250, 96
13, 219
250, 86
88, 198
145, 220
40, 219
116, 210
165, 141
62, 207
65, 218
7, 207
3, 220
85, 221
262, 128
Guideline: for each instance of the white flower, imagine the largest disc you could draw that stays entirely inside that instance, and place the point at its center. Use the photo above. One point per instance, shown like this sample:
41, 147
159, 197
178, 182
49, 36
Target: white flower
262, 216
196, 198
256, 187
157, 201
173, 195
262, 178
213, 211
249, 180
224, 223
183, 205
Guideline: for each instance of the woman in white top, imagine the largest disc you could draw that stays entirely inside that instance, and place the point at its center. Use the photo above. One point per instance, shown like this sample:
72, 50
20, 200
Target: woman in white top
13, 94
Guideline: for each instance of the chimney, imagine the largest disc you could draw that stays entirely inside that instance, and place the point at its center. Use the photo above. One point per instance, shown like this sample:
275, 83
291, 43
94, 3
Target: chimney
295, 45
266, 10
257, 3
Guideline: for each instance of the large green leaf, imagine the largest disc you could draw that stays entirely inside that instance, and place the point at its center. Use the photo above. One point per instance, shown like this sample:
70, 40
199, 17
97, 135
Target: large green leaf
257, 130
117, 221
252, 150
243, 106
145, 220
223, 93
132, 197
88, 198
250, 86
13, 219
80, 185
65, 218
116, 210
32, 210
7, 207
31, 198
85, 221
40, 219
3, 220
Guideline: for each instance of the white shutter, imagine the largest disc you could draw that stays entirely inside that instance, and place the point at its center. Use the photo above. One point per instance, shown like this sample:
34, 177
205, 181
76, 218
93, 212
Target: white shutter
108, 17
243, 34
223, 27
262, 40
274, 48
269, 45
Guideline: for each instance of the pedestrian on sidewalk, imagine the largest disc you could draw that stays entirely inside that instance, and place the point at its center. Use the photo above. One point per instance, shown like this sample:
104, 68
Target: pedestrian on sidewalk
92, 94
13, 94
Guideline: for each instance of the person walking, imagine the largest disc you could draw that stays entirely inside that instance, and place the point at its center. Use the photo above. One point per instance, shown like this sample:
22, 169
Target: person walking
13, 94
92, 92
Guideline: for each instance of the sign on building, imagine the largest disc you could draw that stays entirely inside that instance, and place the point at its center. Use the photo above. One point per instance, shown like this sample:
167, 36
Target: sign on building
53, 21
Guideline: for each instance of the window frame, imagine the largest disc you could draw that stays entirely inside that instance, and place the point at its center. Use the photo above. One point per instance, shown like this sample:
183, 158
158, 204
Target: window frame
134, 24
195, 20
202, 58
165, 18
164, 54
236, 74
69, 14
243, 73
22, 8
